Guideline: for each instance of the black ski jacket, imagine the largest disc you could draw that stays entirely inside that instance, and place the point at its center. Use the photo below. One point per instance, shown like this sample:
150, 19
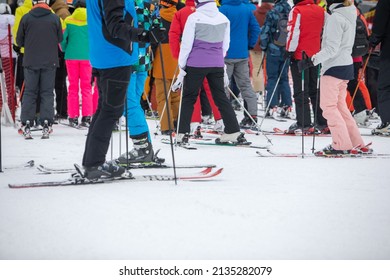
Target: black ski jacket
381, 28
40, 32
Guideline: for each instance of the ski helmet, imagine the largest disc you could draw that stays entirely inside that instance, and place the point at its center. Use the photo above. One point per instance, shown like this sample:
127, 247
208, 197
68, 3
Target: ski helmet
41, 1
5, 9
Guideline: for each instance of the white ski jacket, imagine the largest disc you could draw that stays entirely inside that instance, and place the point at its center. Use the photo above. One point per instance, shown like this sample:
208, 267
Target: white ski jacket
338, 38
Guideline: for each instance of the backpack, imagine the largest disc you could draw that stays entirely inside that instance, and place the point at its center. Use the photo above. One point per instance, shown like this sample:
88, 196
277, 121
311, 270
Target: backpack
280, 35
361, 44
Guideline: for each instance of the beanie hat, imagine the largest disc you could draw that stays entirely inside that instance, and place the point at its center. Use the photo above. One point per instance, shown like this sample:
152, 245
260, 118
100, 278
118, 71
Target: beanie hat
4, 9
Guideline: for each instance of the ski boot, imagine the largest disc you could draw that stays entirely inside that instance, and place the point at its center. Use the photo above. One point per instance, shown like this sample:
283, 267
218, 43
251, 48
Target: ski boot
237, 138
26, 131
46, 130
105, 170
383, 129
85, 121
74, 122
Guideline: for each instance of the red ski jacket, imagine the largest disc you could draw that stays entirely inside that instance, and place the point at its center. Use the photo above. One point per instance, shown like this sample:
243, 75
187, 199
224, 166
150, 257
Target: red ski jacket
177, 27
305, 24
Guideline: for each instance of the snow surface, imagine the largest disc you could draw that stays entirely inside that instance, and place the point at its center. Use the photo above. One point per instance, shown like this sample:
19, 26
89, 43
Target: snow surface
258, 208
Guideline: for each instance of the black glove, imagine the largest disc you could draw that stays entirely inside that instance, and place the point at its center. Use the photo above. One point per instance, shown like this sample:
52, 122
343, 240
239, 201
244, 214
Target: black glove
155, 35
373, 40
288, 55
305, 63
16, 48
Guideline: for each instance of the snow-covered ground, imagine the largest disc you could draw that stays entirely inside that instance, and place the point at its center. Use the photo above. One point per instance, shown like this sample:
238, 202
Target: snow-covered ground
258, 208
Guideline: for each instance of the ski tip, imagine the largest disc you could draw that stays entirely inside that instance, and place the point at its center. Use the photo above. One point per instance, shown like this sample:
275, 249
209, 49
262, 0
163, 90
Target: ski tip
206, 170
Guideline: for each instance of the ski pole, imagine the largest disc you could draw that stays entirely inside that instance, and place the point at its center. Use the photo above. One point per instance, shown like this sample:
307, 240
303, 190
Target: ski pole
358, 81
261, 63
273, 92
303, 109
168, 110
316, 110
246, 111
169, 94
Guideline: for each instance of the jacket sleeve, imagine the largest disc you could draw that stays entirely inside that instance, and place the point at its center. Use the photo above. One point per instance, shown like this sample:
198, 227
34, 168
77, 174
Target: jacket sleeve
293, 27
381, 21
64, 42
174, 36
118, 25
59, 31
266, 31
18, 17
254, 30
226, 39
186, 42
20, 34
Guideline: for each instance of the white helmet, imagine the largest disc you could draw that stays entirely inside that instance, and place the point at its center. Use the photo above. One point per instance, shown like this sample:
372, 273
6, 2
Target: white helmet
5, 9
41, 1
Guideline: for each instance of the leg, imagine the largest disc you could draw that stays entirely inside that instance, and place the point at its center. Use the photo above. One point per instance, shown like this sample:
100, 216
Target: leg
273, 74
257, 76
301, 98
192, 82
330, 91
113, 85
86, 88
216, 113
30, 95
284, 86
73, 90
46, 85
215, 80
384, 90
241, 76
312, 90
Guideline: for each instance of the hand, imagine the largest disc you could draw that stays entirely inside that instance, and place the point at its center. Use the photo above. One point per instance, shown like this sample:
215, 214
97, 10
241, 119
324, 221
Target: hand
179, 81
155, 35
373, 41
16, 48
305, 63
226, 81
288, 55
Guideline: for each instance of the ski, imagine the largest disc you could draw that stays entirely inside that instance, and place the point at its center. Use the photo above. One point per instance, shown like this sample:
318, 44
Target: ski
229, 144
269, 153
28, 164
186, 146
78, 180
79, 127
148, 165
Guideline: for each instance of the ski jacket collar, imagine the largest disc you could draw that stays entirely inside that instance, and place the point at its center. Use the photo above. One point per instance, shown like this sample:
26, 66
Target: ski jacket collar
40, 10
168, 13
304, 2
80, 14
190, 3
209, 9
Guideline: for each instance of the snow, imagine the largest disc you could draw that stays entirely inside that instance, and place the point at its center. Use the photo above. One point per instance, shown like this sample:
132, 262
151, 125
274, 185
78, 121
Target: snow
258, 208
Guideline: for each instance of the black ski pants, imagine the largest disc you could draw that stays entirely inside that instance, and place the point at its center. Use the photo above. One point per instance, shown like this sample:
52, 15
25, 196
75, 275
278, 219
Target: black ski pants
38, 82
192, 82
301, 98
112, 84
358, 102
384, 90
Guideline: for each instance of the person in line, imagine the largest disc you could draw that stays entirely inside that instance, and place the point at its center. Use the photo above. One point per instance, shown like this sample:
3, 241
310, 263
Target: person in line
381, 34
76, 48
175, 33
337, 69
205, 41
306, 21
40, 41
273, 41
243, 36
112, 29
138, 128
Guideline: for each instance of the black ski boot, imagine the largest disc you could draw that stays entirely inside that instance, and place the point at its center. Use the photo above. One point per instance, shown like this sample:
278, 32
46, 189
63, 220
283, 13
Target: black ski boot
26, 130
105, 170
141, 153
85, 121
46, 130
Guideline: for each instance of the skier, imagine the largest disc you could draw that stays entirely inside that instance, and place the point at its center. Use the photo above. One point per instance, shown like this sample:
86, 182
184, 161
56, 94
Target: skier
110, 32
306, 21
205, 41
40, 62
337, 68
136, 121
76, 48
381, 34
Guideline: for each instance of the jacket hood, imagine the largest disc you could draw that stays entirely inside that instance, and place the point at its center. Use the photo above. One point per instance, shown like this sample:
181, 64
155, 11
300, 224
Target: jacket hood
59, 4
80, 14
28, 4
231, 2
347, 12
209, 9
40, 10
304, 2
168, 13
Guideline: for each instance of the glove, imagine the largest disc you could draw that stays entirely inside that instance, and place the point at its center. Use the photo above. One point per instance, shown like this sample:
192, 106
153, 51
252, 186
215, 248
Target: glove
155, 35
226, 81
373, 41
16, 48
179, 81
288, 55
305, 63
